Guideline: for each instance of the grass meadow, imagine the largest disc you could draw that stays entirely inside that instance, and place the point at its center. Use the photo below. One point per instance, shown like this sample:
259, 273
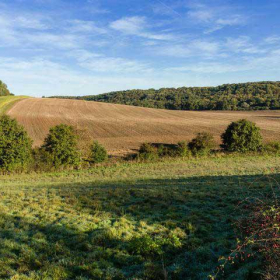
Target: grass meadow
161, 220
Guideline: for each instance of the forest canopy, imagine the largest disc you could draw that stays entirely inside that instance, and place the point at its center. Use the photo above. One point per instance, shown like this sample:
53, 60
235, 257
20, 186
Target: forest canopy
246, 96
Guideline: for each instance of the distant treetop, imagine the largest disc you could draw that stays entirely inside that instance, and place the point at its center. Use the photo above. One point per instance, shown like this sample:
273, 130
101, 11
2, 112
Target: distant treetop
247, 96
4, 89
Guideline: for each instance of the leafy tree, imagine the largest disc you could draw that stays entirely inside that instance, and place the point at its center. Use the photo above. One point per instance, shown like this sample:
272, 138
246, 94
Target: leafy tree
15, 145
4, 89
202, 144
98, 153
60, 146
242, 136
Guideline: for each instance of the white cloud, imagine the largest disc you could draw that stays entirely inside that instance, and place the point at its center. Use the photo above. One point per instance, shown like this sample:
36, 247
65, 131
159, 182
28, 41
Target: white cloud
29, 23
269, 61
137, 26
243, 44
115, 65
214, 18
96, 62
129, 25
81, 26
33, 33
197, 48
272, 40
201, 15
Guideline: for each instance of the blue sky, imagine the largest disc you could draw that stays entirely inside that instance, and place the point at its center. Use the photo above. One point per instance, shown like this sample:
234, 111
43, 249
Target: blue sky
83, 47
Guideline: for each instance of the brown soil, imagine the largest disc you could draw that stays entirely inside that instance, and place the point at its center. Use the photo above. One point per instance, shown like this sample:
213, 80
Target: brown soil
123, 128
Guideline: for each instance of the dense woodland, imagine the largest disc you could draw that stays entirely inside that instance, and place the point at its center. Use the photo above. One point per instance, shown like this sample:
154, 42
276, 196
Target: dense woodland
4, 89
247, 96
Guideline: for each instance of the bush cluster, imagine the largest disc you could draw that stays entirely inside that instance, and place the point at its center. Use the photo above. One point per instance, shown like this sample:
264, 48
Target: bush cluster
241, 136
151, 152
59, 150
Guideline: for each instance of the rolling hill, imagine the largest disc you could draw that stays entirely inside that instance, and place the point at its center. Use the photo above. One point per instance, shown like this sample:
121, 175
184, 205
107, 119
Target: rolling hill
123, 128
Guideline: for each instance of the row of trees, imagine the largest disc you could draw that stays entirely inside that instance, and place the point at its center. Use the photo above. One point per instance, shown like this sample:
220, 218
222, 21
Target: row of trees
241, 136
247, 96
60, 148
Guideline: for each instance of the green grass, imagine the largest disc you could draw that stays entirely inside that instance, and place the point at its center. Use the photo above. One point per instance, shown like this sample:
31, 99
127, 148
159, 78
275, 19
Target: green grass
6, 102
159, 220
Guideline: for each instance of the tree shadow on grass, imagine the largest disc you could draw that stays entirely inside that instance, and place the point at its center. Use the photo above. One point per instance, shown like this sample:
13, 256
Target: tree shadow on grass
148, 229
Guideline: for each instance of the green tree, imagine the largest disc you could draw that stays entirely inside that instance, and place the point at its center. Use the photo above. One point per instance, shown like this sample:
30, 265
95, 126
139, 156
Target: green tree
202, 144
15, 145
60, 146
4, 89
98, 153
242, 136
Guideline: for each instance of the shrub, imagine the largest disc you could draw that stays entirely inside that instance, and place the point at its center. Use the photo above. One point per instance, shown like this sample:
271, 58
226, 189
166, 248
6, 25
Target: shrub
272, 147
163, 151
260, 235
98, 153
202, 144
41, 160
147, 152
167, 150
15, 145
242, 136
183, 149
60, 146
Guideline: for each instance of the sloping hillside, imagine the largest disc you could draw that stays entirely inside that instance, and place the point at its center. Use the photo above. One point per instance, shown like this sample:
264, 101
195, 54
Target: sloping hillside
123, 128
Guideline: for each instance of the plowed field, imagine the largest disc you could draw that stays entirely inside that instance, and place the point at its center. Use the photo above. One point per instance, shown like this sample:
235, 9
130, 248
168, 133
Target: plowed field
123, 128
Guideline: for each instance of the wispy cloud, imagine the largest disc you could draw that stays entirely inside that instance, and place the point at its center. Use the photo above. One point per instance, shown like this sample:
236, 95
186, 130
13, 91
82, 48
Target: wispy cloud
268, 61
243, 44
138, 26
82, 26
214, 18
98, 62
198, 48
272, 40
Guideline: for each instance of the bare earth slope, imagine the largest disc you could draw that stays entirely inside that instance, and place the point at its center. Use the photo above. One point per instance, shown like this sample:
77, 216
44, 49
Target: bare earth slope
123, 128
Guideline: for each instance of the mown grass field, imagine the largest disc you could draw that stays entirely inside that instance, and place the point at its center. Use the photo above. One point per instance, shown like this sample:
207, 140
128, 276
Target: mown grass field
164, 220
